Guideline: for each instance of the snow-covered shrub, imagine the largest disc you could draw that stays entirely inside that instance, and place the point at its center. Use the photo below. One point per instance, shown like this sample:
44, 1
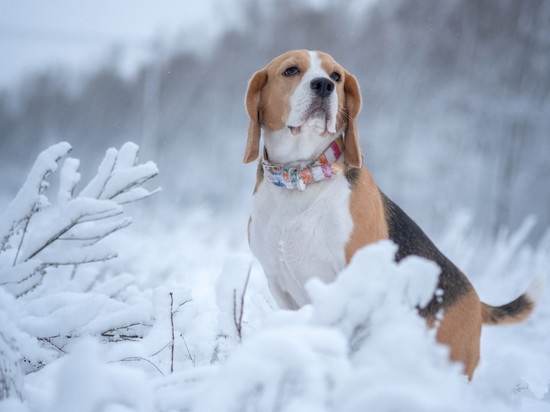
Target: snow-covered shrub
360, 345
46, 242
36, 235
354, 348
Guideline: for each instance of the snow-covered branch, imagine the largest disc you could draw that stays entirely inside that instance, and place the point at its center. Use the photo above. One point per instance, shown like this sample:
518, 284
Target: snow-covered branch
29, 199
36, 234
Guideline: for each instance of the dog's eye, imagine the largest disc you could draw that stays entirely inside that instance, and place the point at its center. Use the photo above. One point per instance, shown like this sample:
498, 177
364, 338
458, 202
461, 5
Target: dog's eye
291, 71
335, 76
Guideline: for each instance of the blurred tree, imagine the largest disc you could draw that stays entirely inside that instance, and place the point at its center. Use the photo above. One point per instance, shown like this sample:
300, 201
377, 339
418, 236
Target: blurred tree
455, 110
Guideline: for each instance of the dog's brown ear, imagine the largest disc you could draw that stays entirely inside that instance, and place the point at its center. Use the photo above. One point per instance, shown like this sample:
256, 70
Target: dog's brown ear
252, 102
352, 153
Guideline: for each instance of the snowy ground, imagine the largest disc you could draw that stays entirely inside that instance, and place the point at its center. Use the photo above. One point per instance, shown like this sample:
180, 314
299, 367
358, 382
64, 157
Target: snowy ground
156, 328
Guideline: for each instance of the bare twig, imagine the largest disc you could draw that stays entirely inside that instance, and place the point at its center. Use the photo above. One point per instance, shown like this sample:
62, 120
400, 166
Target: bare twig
49, 340
111, 333
172, 323
138, 359
37, 269
96, 238
82, 261
145, 196
188, 356
161, 349
181, 304
73, 272
92, 217
113, 166
237, 326
132, 185
28, 219
239, 322
51, 240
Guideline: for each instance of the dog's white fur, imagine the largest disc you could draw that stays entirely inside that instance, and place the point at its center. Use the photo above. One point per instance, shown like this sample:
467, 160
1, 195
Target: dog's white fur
308, 229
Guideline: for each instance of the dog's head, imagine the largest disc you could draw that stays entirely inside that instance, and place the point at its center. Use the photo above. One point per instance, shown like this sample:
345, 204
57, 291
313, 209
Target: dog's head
303, 95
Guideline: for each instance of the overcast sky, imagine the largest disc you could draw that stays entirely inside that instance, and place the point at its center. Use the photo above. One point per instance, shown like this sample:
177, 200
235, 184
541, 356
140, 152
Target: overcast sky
79, 33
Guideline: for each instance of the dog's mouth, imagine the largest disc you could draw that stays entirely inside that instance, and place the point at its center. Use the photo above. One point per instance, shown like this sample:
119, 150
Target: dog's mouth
317, 117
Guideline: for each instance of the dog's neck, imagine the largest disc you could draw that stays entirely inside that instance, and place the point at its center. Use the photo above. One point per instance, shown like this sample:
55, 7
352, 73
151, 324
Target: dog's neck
292, 147
299, 176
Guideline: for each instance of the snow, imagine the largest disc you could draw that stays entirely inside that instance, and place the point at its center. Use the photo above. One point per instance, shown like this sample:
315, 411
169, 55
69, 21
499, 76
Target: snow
60, 314
106, 336
116, 387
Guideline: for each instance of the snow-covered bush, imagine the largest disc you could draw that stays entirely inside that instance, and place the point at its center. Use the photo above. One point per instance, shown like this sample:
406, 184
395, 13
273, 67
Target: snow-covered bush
355, 348
46, 243
36, 235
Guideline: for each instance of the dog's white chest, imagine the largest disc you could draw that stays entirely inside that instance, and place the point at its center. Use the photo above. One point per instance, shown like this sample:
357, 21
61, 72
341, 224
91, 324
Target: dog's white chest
300, 235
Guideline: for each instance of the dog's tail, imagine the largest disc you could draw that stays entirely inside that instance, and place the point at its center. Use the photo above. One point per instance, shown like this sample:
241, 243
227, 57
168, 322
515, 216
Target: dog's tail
519, 309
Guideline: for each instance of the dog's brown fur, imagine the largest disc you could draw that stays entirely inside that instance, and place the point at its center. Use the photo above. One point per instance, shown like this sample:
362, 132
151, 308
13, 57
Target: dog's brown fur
460, 329
367, 213
463, 313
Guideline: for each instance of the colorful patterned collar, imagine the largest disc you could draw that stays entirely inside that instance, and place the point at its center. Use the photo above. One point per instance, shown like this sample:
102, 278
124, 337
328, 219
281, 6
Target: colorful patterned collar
300, 176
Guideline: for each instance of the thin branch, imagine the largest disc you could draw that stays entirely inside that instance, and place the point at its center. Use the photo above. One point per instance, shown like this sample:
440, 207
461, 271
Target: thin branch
73, 272
34, 272
188, 356
137, 199
239, 322
28, 219
120, 337
237, 326
111, 333
83, 262
72, 223
109, 176
182, 304
172, 323
39, 270
6, 238
49, 340
51, 240
101, 215
97, 238
138, 359
33, 287
133, 184
161, 349
244, 292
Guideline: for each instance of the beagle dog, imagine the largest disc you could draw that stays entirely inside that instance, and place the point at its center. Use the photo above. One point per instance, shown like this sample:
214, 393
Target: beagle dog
315, 205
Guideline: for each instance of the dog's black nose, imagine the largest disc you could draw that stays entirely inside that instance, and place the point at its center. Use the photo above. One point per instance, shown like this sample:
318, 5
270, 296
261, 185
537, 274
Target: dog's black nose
322, 86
